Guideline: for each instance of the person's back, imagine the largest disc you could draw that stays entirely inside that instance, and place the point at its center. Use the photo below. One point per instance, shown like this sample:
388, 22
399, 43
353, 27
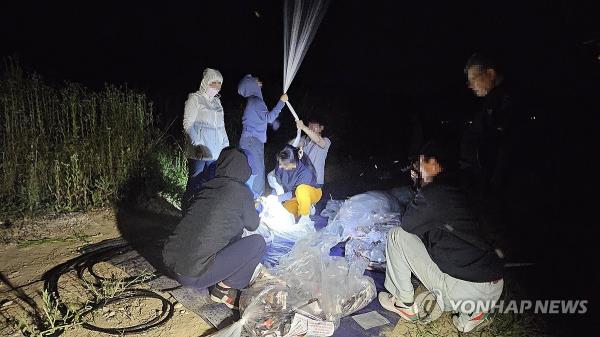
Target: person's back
256, 114
254, 121
217, 215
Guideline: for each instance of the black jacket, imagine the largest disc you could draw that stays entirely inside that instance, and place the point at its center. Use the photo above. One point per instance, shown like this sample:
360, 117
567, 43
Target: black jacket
440, 215
217, 215
487, 142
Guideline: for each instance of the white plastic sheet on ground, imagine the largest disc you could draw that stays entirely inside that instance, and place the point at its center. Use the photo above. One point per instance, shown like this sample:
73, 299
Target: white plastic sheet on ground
279, 229
280, 222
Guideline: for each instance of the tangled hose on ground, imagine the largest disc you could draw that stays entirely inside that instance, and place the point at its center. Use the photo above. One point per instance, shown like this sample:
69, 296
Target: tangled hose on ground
87, 262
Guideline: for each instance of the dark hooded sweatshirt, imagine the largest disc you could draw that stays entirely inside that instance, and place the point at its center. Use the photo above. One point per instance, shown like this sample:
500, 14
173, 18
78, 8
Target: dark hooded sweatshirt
217, 215
440, 215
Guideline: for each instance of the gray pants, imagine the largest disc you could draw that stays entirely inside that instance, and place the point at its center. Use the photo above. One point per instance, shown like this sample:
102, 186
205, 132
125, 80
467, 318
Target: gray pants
407, 254
257, 148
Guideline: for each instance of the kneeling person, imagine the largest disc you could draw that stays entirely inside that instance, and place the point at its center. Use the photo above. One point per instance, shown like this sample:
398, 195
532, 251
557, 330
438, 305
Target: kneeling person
295, 181
207, 247
440, 242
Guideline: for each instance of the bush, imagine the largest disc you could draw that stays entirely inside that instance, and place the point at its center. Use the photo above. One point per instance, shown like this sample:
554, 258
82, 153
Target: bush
67, 148
163, 173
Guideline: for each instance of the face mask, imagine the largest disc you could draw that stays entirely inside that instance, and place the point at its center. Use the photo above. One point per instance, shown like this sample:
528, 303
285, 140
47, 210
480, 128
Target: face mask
212, 92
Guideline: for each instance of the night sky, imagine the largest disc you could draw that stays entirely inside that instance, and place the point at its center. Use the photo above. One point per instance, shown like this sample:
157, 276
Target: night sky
372, 65
395, 51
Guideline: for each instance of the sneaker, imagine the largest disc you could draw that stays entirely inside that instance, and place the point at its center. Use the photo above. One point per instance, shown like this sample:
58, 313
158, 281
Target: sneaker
473, 321
227, 296
409, 312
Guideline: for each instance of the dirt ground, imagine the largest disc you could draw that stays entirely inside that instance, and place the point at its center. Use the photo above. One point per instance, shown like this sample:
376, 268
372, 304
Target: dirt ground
31, 247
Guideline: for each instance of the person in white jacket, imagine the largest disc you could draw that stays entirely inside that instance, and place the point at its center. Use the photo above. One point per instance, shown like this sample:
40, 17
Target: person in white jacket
204, 128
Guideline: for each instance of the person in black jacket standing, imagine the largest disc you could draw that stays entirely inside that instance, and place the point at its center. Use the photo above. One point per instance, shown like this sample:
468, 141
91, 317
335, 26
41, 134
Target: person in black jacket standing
207, 247
487, 143
440, 242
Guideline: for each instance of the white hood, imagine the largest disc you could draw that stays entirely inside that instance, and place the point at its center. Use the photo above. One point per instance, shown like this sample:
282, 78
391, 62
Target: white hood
209, 75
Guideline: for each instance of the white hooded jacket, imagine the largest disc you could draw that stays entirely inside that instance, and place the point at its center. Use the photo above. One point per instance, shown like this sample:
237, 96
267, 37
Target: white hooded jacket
203, 121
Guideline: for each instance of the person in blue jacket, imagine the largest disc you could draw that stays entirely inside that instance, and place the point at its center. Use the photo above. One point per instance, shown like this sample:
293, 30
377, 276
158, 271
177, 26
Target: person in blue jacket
296, 177
255, 119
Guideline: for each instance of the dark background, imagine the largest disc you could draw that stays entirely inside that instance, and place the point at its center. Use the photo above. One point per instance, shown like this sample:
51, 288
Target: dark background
373, 69
376, 62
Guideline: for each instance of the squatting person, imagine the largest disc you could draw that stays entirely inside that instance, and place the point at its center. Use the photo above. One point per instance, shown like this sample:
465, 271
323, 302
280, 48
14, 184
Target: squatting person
440, 242
207, 247
294, 180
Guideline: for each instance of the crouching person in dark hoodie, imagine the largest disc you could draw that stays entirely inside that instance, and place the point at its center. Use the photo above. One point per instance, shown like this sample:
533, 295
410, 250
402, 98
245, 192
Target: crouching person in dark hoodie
441, 244
207, 247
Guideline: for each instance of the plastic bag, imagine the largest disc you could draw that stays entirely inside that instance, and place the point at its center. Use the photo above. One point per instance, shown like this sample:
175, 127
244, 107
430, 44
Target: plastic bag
310, 268
331, 208
306, 282
267, 308
279, 229
371, 245
359, 213
280, 222
366, 219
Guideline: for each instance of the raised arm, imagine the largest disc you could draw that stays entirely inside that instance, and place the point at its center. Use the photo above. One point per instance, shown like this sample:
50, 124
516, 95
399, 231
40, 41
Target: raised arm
311, 134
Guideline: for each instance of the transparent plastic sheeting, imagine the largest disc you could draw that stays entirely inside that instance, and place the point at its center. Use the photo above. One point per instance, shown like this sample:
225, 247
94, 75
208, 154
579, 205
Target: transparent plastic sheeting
305, 284
365, 219
301, 20
279, 229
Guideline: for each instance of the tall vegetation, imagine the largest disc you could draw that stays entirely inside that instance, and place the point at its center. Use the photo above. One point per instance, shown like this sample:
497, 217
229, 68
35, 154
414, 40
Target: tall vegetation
67, 148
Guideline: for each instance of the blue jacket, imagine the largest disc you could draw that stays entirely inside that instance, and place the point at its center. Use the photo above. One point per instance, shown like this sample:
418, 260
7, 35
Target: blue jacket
256, 114
304, 173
